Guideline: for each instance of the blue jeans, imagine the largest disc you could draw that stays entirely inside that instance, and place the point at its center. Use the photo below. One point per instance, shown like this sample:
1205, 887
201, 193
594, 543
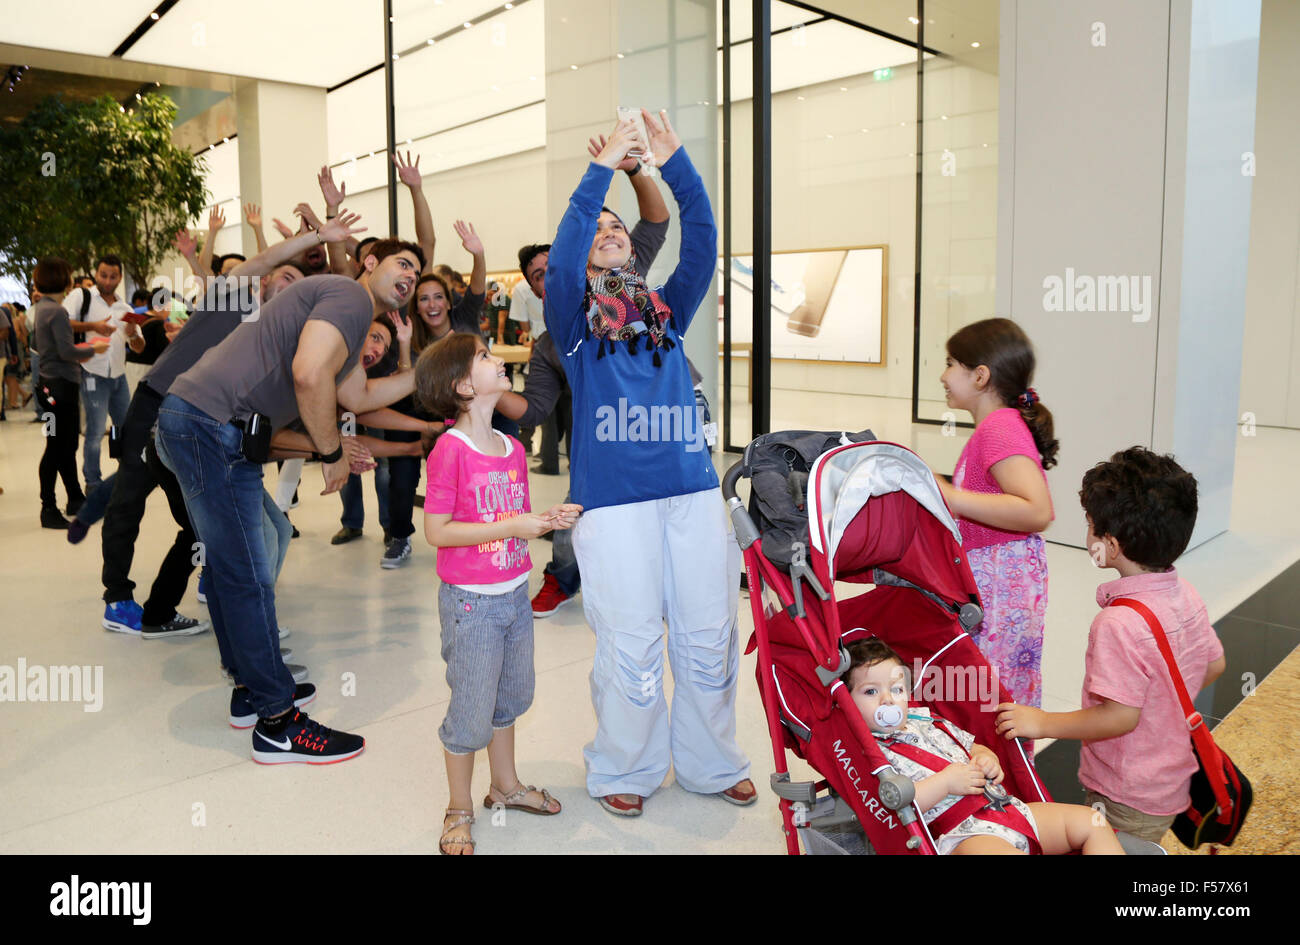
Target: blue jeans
354, 510
403, 481
563, 565
224, 495
97, 501
102, 397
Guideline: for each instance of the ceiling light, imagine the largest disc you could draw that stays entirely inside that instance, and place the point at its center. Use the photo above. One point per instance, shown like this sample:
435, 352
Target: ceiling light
225, 141
532, 78
620, 55
799, 97
974, 45
830, 137
510, 6
944, 117
914, 21
843, 88
468, 24
428, 42
496, 88
984, 145
396, 56
153, 16
574, 68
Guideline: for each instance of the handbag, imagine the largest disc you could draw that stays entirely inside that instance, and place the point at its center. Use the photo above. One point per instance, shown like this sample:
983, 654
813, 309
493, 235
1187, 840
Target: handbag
1220, 793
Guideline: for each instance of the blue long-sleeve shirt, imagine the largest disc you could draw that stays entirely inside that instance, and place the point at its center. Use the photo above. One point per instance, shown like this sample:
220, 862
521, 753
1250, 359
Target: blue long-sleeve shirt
636, 433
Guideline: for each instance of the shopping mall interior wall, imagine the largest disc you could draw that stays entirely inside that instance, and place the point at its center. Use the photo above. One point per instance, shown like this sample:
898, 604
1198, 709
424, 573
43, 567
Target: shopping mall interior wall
1270, 377
836, 185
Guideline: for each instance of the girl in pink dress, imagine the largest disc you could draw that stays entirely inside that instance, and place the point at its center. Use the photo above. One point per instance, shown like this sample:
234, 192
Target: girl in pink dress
999, 492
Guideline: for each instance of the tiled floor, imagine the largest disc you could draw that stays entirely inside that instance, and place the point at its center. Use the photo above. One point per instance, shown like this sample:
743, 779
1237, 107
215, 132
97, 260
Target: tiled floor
158, 769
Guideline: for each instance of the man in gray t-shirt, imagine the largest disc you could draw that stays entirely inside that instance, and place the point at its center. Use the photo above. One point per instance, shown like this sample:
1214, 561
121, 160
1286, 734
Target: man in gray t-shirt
303, 357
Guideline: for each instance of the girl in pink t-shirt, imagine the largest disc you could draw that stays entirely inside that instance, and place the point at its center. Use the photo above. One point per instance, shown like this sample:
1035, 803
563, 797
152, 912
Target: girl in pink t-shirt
477, 514
999, 491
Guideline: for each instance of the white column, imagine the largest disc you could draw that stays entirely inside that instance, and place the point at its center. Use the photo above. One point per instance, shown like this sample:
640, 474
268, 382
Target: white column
282, 145
1124, 228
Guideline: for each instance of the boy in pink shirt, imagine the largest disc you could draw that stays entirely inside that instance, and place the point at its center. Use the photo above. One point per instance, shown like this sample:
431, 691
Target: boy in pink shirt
1137, 759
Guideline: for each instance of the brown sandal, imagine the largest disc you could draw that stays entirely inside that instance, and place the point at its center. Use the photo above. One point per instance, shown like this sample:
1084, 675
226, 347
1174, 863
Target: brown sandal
463, 818
513, 799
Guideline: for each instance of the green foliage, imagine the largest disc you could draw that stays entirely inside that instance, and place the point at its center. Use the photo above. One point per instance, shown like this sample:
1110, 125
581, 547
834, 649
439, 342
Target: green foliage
83, 179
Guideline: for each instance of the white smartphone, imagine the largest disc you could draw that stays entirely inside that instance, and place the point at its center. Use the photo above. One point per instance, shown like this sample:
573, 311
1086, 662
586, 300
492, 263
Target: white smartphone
634, 114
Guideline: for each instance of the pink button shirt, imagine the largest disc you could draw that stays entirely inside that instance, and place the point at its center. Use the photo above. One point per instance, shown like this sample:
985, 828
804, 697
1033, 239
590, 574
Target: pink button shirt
475, 487
1150, 767
1003, 433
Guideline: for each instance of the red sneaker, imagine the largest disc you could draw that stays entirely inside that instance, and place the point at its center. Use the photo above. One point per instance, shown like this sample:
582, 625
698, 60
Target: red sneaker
550, 598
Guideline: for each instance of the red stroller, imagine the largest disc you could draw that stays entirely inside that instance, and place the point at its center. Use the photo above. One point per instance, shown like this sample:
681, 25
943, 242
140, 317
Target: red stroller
874, 515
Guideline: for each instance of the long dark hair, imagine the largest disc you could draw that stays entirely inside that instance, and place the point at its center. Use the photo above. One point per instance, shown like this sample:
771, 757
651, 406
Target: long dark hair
1001, 346
421, 333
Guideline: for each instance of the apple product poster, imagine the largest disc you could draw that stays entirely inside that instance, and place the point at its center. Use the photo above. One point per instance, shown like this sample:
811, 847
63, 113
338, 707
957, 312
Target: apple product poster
827, 305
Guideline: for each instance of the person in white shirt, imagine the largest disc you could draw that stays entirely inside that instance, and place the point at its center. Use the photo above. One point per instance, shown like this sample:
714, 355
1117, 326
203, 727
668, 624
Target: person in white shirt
525, 303
104, 389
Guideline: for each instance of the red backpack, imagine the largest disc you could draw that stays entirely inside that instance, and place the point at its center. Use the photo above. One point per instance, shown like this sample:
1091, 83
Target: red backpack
1220, 793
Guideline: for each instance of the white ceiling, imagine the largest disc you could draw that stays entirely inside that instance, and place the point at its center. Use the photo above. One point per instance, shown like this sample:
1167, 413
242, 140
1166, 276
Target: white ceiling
79, 26
310, 42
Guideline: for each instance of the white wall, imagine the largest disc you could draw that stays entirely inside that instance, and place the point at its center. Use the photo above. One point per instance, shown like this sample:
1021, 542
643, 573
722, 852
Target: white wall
857, 188
1270, 377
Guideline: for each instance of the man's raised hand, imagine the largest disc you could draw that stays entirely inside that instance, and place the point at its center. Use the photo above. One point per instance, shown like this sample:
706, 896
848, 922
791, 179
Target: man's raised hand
333, 195
407, 173
341, 227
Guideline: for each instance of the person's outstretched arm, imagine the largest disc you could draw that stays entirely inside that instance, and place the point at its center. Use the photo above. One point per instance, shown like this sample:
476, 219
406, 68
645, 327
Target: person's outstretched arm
566, 266
335, 230
253, 217
409, 174
689, 283
216, 220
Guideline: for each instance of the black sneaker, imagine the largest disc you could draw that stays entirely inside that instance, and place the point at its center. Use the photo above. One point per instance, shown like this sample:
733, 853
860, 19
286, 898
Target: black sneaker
74, 506
305, 742
396, 554
77, 531
178, 626
50, 518
244, 716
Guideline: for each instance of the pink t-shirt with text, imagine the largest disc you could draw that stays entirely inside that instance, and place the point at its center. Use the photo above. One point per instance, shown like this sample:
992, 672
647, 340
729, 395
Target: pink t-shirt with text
475, 487
1151, 767
1001, 434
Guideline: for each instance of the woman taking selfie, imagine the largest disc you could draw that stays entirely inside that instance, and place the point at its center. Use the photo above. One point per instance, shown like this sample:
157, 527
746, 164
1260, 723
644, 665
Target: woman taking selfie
653, 543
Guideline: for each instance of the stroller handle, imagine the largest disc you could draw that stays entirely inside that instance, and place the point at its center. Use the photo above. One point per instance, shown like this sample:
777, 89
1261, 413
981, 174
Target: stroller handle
730, 478
746, 530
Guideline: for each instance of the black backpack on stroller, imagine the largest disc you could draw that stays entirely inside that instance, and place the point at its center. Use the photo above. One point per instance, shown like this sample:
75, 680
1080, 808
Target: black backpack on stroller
777, 466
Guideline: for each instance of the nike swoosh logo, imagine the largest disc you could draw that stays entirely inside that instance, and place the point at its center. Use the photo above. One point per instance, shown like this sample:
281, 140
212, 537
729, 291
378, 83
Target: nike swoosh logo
285, 745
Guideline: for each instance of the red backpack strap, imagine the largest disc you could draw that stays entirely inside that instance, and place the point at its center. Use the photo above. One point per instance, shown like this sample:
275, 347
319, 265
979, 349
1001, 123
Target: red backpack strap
1201, 737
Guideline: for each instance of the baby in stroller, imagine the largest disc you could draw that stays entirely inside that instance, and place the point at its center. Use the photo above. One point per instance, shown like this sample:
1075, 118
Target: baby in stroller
951, 771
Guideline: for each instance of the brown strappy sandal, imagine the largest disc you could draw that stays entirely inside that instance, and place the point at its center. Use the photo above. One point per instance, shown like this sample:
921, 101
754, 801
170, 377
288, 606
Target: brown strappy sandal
513, 799
463, 818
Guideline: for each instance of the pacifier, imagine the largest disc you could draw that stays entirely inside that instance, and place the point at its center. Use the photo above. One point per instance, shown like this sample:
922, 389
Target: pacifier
888, 716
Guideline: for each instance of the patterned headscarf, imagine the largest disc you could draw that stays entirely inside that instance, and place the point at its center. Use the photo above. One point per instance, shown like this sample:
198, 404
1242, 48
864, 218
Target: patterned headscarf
618, 298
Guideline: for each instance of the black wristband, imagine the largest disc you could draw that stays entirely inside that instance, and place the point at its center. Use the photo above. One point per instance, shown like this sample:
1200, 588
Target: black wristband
334, 457
636, 169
